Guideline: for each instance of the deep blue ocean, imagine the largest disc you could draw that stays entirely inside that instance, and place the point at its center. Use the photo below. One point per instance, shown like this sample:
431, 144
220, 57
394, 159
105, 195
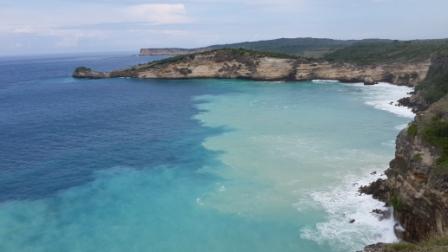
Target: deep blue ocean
187, 165
59, 131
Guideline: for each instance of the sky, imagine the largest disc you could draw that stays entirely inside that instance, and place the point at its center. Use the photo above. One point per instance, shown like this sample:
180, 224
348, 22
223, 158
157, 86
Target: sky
67, 26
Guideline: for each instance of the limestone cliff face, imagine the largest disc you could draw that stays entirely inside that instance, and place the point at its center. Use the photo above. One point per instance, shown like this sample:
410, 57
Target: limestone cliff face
404, 74
213, 66
417, 180
227, 63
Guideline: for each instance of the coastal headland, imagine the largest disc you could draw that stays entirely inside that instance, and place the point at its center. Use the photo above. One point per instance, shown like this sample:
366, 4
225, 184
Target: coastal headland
247, 64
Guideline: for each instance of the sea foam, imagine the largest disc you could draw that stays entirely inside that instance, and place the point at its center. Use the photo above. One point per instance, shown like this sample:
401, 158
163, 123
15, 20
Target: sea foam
385, 96
325, 81
351, 223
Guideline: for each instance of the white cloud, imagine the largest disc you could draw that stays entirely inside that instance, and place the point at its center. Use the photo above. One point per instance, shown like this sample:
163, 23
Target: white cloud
159, 13
65, 28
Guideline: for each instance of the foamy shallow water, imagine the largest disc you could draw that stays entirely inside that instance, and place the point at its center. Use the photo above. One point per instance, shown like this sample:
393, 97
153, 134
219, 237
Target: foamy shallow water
385, 96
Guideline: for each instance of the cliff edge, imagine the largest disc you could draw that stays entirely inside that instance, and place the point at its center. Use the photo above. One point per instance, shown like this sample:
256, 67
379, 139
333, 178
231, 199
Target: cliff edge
246, 64
417, 180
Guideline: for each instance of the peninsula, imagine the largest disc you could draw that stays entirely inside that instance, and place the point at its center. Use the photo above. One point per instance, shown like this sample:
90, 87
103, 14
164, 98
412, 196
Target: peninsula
254, 65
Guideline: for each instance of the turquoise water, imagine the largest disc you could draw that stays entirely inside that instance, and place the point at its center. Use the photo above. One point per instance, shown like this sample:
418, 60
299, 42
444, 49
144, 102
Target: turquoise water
193, 165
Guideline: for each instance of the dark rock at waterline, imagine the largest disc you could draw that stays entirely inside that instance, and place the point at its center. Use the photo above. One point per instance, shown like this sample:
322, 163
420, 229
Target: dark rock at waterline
416, 102
368, 81
379, 247
399, 231
417, 180
377, 189
87, 73
382, 214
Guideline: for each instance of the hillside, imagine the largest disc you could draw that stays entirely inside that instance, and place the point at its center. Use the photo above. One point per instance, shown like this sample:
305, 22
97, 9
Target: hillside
387, 51
306, 47
367, 51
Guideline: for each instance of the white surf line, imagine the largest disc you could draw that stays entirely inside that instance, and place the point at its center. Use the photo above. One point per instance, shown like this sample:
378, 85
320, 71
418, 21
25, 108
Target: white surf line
325, 81
382, 96
385, 96
351, 224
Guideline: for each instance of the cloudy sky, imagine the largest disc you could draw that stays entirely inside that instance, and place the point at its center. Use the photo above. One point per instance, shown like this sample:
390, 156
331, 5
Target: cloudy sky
54, 26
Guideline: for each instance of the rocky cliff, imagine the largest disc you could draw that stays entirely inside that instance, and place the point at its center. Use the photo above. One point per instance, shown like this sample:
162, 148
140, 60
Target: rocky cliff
244, 64
417, 180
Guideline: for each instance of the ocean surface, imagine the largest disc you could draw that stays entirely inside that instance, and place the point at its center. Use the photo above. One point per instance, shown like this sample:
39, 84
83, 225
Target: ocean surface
188, 165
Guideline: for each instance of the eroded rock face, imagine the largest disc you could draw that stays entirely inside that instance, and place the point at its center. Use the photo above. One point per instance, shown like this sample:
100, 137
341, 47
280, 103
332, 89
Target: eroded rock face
416, 184
404, 74
215, 65
228, 64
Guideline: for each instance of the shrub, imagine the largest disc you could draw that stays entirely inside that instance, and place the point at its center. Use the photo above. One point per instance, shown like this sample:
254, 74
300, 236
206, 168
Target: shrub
412, 130
436, 133
396, 202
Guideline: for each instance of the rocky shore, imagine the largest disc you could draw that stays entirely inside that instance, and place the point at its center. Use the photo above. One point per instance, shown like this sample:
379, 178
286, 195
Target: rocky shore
417, 183
417, 180
244, 64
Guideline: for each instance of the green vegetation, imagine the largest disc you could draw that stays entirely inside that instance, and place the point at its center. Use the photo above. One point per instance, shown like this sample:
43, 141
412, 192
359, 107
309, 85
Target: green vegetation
241, 52
417, 157
387, 51
396, 202
83, 69
435, 85
438, 244
367, 51
306, 47
436, 133
220, 54
412, 130
405, 247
